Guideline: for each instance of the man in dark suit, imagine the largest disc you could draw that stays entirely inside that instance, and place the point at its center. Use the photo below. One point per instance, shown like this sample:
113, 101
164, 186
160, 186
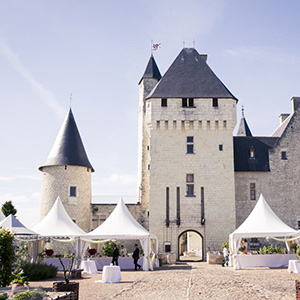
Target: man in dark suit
115, 255
136, 256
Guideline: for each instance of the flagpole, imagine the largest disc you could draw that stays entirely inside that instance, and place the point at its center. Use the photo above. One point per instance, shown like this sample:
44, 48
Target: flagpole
151, 47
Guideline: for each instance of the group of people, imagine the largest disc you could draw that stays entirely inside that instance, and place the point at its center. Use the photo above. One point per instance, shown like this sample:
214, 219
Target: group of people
123, 252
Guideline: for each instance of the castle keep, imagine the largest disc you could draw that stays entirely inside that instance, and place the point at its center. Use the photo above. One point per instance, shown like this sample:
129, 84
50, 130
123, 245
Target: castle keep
195, 179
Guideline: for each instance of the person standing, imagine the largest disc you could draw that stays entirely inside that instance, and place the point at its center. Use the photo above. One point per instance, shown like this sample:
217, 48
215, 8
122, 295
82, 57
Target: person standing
136, 256
226, 256
115, 255
123, 251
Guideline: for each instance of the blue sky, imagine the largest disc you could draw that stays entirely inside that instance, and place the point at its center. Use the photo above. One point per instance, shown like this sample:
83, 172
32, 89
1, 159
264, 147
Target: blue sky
98, 51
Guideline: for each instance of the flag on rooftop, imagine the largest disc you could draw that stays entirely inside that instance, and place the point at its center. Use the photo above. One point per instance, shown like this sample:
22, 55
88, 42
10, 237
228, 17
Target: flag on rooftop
156, 46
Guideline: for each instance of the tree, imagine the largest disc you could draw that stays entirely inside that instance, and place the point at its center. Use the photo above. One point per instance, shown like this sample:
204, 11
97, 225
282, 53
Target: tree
8, 209
7, 257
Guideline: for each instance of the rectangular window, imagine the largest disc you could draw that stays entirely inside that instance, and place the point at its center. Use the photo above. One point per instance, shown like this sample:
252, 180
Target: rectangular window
72, 191
184, 102
190, 184
191, 102
215, 102
164, 102
283, 155
190, 144
178, 205
167, 207
252, 191
220, 147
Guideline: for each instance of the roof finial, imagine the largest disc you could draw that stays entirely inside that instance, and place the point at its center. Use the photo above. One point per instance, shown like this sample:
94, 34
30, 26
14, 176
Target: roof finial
183, 43
243, 115
194, 43
151, 47
70, 100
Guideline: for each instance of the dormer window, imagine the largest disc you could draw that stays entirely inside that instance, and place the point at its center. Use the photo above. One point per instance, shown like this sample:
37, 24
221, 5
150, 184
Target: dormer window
184, 102
252, 152
164, 102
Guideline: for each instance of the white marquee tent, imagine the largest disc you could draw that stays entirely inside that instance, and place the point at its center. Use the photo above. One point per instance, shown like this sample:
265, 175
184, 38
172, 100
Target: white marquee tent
57, 223
16, 227
262, 222
2, 217
122, 225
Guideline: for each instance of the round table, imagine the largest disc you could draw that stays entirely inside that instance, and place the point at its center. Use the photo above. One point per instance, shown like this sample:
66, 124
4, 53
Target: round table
89, 267
111, 274
294, 266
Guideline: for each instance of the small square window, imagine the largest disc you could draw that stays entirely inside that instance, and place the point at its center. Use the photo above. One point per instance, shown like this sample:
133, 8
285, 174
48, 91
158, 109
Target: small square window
283, 155
220, 147
189, 177
164, 102
190, 139
73, 191
184, 102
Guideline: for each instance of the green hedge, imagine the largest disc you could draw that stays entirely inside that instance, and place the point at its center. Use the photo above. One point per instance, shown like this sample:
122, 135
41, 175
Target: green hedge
38, 271
33, 295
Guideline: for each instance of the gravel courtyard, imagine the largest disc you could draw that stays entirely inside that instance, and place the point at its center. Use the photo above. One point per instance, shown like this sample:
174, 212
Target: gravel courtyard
191, 280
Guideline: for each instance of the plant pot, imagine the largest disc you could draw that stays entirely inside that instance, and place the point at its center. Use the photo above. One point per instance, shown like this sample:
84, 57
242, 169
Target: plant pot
61, 286
297, 284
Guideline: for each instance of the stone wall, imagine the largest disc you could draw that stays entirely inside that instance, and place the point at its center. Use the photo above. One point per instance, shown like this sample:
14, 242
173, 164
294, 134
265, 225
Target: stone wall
56, 182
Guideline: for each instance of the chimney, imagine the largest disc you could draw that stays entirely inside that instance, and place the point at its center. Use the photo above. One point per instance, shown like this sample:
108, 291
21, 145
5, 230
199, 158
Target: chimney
282, 117
204, 57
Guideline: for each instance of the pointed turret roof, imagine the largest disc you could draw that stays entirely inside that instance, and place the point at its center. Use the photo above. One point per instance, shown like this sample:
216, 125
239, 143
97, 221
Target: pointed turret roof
68, 148
244, 129
190, 76
152, 70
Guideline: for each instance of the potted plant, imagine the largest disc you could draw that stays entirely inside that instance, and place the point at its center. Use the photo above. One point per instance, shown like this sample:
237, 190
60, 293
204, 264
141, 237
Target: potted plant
19, 281
65, 286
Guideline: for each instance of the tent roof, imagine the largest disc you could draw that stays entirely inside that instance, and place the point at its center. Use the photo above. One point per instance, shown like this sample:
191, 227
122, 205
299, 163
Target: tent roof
15, 226
2, 217
57, 223
120, 225
263, 222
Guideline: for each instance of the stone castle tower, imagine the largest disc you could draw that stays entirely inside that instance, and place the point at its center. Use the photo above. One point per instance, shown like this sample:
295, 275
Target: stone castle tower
186, 166
67, 174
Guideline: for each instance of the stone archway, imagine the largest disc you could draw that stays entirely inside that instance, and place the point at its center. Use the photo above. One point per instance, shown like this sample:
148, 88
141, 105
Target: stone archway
190, 246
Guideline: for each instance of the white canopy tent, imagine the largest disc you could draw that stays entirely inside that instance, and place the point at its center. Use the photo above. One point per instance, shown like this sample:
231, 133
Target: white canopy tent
262, 222
2, 217
122, 225
16, 227
58, 224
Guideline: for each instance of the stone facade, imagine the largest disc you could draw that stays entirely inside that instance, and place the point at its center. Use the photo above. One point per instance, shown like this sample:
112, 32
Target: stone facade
56, 182
280, 186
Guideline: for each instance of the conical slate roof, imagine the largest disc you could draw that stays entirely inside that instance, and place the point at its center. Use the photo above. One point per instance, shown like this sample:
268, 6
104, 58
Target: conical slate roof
152, 70
244, 129
15, 226
190, 76
68, 148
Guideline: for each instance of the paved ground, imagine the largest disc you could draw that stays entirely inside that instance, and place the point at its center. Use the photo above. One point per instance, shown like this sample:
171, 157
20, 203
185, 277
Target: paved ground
189, 281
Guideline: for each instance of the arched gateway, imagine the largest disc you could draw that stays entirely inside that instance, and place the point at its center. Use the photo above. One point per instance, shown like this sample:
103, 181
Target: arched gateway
190, 246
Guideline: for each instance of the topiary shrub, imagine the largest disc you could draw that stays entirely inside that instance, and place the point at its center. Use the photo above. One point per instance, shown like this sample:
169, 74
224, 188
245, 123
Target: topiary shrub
7, 256
33, 295
38, 271
108, 248
3, 296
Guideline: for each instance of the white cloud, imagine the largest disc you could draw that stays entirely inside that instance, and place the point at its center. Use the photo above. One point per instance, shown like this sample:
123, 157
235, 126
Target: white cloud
45, 95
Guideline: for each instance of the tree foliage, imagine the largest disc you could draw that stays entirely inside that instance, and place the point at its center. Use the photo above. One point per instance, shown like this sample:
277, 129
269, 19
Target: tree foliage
8, 209
108, 248
7, 256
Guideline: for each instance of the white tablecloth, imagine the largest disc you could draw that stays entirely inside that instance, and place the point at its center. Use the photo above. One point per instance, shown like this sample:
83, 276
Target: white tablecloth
263, 260
125, 263
294, 266
111, 274
89, 267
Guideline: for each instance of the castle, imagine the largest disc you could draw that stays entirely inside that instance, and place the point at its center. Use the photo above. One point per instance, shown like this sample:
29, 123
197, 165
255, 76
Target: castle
194, 176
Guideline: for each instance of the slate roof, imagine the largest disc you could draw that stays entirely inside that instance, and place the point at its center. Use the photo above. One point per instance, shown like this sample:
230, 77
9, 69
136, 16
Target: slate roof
152, 70
68, 148
280, 130
261, 146
244, 129
190, 76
